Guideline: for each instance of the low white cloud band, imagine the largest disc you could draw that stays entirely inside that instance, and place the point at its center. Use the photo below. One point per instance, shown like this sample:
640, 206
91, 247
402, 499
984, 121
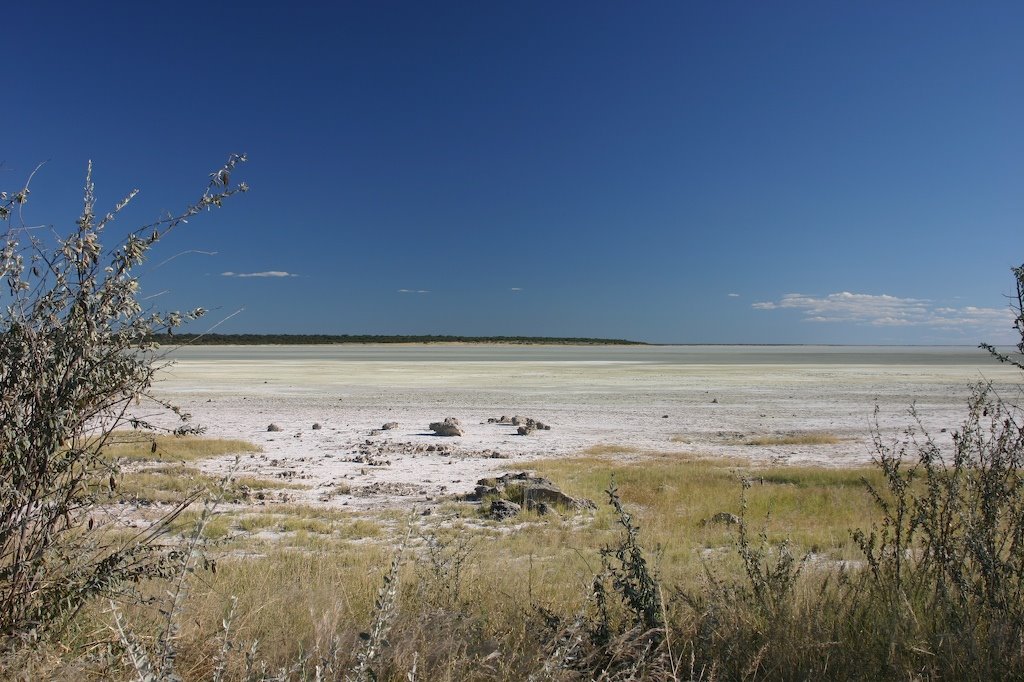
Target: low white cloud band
889, 311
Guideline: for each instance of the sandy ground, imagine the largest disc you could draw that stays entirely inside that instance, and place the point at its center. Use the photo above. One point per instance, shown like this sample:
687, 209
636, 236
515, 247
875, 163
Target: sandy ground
643, 406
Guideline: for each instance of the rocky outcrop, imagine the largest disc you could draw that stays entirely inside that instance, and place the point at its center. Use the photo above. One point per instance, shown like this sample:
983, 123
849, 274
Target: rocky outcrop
531, 425
526, 425
529, 492
390, 426
449, 427
274, 427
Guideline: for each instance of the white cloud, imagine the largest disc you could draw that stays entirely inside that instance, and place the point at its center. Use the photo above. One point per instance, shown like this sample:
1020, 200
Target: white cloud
733, 295
882, 310
515, 289
266, 273
413, 291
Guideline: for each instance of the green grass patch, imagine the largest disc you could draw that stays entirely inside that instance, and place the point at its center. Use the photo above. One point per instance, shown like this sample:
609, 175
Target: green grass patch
673, 498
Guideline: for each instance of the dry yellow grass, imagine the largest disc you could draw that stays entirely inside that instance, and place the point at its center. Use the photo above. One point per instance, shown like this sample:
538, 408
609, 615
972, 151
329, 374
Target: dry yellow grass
316, 584
172, 483
318, 577
807, 438
138, 446
605, 449
162, 476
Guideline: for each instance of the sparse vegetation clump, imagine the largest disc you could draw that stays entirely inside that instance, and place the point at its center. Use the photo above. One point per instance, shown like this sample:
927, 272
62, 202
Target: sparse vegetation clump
794, 439
140, 446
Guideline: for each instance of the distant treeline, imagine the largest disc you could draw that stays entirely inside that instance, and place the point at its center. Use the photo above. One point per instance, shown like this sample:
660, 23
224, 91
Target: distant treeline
310, 339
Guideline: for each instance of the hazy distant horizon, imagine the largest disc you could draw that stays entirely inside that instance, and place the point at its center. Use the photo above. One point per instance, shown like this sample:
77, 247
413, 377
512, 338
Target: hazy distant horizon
535, 340
666, 354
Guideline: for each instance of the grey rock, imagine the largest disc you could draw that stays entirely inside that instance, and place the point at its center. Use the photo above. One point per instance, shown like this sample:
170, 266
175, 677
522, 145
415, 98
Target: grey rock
317, 427
503, 509
389, 426
449, 427
274, 427
547, 494
533, 491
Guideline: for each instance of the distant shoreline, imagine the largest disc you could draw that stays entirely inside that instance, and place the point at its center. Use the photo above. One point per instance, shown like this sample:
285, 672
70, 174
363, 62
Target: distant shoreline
337, 339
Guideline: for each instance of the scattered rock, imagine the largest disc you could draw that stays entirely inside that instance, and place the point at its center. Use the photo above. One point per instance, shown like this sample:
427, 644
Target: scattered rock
449, 427
368, 459
503, 509
274, 427
317, 427
387, 488
389, 426
714, 401
517, 421
530, 425
664, 416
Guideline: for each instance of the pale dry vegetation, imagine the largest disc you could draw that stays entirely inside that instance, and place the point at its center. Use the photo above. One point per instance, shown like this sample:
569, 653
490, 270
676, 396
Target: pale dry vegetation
136, 446
794, 439
646, 590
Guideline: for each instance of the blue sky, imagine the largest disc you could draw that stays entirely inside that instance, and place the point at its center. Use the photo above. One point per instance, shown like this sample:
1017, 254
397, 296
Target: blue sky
673, 172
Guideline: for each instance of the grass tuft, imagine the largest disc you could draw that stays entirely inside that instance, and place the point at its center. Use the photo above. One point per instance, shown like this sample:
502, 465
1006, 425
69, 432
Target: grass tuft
794, 439
137, 446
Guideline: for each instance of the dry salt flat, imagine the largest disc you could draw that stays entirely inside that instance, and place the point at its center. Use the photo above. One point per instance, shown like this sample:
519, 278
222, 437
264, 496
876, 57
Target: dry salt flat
689, 400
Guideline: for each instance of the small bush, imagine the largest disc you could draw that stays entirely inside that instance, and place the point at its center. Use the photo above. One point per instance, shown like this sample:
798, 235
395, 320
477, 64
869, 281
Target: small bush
74, 358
